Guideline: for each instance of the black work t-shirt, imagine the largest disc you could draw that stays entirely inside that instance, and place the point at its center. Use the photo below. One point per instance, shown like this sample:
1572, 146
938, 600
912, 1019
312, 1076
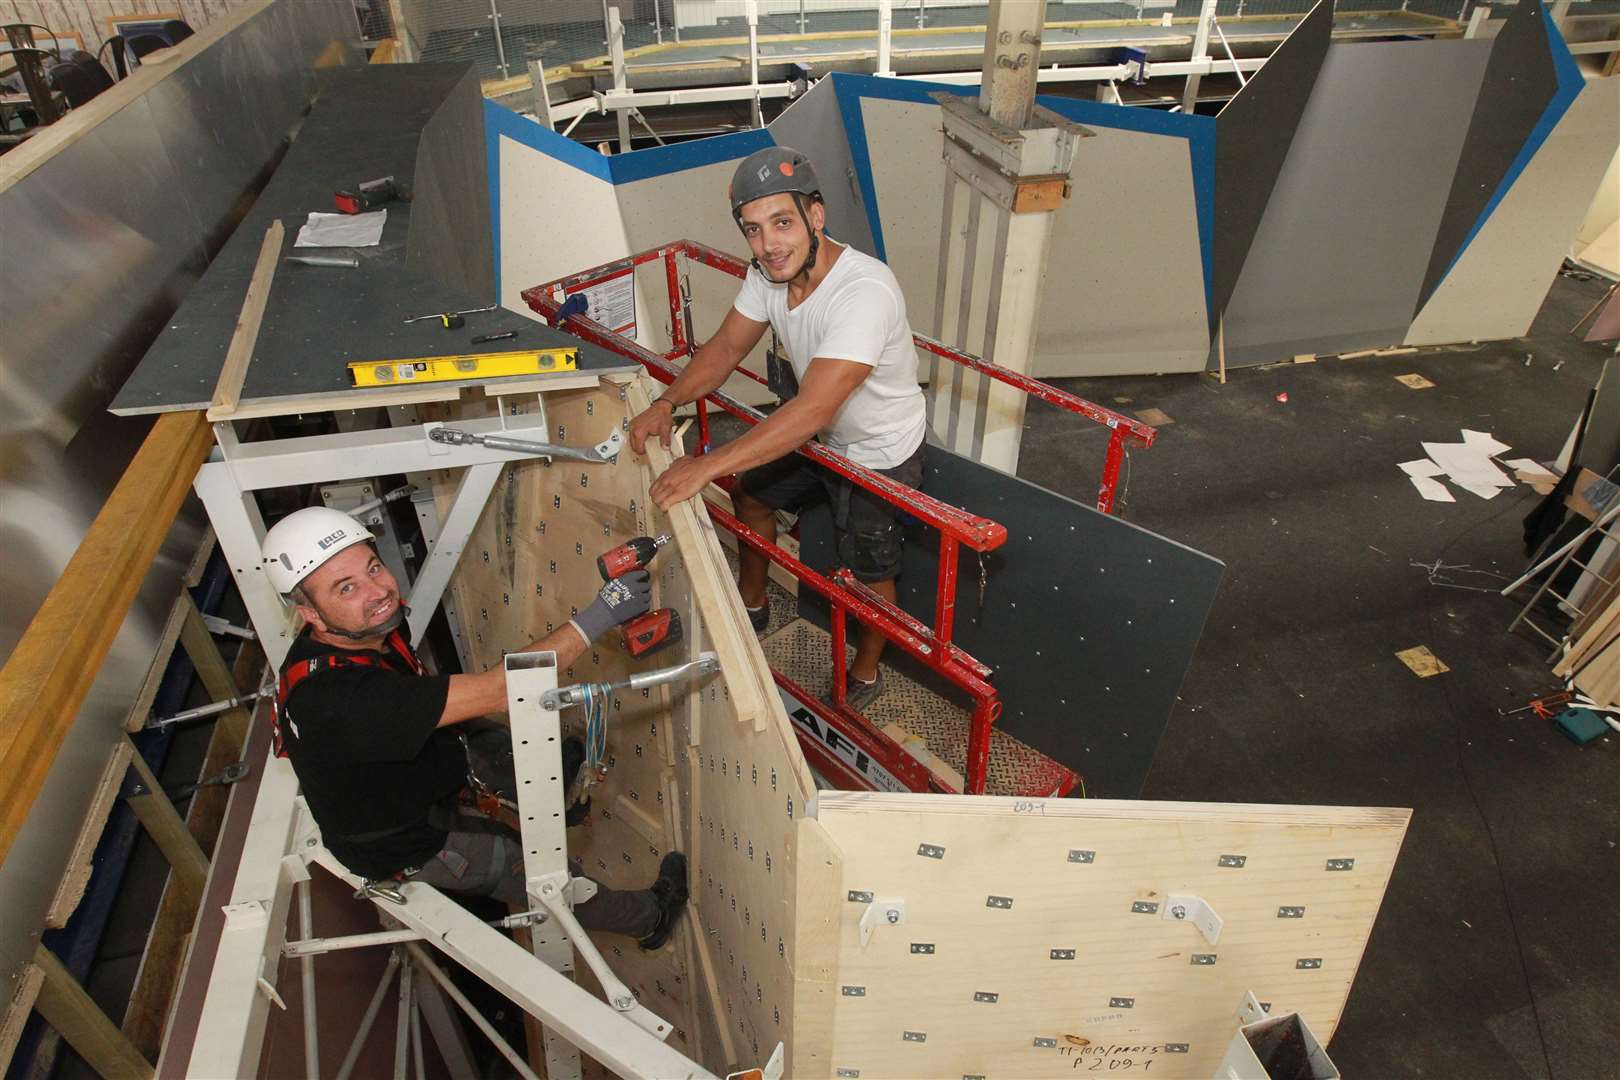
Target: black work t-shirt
370, 757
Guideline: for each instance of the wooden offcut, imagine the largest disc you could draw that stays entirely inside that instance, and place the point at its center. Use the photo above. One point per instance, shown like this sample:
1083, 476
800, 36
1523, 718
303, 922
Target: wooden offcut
228, 391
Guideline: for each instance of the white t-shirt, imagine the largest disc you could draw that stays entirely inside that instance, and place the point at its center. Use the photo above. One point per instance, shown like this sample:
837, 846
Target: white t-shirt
857, 313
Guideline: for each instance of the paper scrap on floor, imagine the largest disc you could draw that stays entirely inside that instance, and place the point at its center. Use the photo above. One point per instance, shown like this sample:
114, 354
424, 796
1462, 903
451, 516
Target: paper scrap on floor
1433, 490
342, 230
1469, 462
1530, 467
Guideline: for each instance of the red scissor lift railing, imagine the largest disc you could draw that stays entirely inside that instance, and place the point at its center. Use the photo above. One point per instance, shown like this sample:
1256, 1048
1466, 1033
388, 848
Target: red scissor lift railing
931, 645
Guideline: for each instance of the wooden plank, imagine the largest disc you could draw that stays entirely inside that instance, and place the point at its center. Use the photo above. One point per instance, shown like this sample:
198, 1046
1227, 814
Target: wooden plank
228, 391
1057, 908
170, 935
67, 1008
50, 671
17, 1010
70, 890
188, 865
141, 708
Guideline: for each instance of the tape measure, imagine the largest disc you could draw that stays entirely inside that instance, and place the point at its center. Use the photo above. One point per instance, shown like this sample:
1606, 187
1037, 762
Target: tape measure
471, 366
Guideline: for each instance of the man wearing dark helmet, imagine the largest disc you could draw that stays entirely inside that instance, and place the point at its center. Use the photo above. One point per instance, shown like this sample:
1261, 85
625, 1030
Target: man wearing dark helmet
841, 318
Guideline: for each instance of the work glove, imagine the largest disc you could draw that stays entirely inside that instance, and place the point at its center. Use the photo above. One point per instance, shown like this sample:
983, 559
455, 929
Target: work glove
619, 601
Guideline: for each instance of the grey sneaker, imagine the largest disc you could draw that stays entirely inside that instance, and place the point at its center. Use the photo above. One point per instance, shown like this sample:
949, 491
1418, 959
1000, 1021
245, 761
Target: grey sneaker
860, 695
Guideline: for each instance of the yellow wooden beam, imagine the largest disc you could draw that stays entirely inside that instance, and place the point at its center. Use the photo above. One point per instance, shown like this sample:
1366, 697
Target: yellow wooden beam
49, 673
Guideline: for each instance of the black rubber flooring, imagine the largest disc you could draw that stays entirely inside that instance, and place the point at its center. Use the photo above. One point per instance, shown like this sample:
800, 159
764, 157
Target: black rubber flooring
1497, 950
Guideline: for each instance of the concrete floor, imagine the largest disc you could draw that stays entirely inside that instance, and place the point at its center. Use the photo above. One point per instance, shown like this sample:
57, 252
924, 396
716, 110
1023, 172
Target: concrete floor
1495, 953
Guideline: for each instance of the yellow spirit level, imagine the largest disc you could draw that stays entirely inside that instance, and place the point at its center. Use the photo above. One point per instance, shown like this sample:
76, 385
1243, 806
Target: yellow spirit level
471, 366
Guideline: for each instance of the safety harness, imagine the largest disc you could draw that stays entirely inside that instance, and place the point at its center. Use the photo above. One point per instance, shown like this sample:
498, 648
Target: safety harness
303, 669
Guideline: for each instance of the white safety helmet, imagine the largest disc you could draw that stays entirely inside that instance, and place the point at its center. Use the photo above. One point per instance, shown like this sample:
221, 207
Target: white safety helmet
298, 544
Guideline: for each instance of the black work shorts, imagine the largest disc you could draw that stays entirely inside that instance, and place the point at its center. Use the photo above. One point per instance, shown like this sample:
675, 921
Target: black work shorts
867, 527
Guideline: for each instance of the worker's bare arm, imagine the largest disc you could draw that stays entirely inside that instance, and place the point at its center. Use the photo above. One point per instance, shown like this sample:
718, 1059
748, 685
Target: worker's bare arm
827, 384
473, 696
709, 367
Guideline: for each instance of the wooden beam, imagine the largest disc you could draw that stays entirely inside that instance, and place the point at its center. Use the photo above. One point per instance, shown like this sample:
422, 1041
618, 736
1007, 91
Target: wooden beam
67, 1008
18, 1010
168, 830
50, 671
70, 890
234, 372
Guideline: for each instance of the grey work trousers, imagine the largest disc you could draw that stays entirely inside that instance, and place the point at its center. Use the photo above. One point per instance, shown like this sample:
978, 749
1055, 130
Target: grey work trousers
481, 857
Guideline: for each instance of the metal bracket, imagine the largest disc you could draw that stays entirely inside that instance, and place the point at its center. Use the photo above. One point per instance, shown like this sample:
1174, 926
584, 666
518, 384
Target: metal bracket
1196, 910
892, 912
564, 696
550, 893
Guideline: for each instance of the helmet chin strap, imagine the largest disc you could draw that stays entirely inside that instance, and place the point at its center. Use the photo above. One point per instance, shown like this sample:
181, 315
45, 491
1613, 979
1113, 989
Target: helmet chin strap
394, 622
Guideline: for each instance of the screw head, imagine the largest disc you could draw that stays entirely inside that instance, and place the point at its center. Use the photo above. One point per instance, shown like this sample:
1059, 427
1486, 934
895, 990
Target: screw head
893, 916
1178, 912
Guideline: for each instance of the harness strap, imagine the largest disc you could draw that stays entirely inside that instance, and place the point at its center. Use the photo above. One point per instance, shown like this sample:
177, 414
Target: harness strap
294, 674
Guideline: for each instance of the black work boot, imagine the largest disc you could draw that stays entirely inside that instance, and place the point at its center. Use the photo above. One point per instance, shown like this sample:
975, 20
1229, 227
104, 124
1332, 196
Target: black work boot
670, 892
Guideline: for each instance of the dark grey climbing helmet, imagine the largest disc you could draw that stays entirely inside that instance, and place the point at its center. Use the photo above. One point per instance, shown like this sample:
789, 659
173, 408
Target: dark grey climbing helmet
777, 170
772, 171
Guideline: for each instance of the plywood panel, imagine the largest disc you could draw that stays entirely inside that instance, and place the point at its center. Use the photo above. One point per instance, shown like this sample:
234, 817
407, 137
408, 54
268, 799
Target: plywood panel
714, 772
1497, 286
1131, 1001
1341, 251
552, 218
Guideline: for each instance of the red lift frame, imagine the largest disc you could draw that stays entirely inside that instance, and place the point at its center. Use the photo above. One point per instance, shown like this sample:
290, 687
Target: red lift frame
933, 646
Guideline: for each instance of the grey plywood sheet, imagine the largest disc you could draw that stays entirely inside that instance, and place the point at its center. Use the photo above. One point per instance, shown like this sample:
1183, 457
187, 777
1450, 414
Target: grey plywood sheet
1341, 252
1519, 83
366, 123
1252, 136
450, 237
814, 125
1090, 622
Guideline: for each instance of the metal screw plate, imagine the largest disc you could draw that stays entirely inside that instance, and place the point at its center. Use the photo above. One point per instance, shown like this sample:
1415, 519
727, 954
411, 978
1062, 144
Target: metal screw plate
1145, 907
1062, 954
1235, 861
849, 1074
1175, 1048
1290, 913
998, 901
1048, 1044
986, 997
930, 851
1308, 963
926, 948
1203, 959
1341, 864
914, 1036
1121, 1003
856, 896
854, 991
1078, 855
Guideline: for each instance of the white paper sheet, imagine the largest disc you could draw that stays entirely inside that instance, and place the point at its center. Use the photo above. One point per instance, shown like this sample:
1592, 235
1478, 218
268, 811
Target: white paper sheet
1467, 462
1433, 490
1485, 441
1484, 491
1421, 467
342, 230
1530, 465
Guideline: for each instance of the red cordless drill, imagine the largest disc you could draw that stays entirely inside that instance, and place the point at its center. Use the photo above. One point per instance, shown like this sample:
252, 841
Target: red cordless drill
657, 629
631, 555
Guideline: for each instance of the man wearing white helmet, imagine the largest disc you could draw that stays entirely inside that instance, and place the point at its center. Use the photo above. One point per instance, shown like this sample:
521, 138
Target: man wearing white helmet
841, 316
374, 738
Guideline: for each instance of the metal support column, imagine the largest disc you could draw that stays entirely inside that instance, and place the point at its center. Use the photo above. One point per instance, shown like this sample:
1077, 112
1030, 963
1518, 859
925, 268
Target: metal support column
620, 81
1200, 54
1013, 156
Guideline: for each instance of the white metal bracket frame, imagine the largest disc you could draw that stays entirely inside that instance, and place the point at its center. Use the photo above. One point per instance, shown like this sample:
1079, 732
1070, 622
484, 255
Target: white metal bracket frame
1196, 910
537, 760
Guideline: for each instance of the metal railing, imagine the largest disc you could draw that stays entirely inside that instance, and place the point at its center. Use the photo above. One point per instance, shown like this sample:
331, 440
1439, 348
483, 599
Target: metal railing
934, 646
